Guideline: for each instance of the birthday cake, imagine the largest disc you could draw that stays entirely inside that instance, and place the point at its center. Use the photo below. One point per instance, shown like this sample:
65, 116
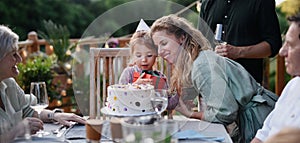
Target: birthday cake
129, 99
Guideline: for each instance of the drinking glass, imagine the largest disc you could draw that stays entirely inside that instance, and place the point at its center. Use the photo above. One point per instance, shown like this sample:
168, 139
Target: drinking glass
159, 100
40, 102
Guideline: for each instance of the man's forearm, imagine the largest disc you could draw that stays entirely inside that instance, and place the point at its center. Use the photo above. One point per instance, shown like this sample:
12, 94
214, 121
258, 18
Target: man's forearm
260, 50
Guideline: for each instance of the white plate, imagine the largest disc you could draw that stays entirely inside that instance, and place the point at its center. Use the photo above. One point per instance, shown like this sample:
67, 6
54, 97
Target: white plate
105, 111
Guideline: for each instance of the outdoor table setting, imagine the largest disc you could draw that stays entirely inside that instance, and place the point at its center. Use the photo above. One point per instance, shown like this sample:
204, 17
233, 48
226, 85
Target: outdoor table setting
133, 126
186, 131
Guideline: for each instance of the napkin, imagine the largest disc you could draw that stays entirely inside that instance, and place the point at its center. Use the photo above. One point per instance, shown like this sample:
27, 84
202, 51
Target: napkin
35, 139
194, 135
76, 132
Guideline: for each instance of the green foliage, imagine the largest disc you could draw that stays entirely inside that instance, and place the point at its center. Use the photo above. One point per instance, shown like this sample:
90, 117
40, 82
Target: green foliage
290, 7
58, 36
25, 16
282, 21
36, 69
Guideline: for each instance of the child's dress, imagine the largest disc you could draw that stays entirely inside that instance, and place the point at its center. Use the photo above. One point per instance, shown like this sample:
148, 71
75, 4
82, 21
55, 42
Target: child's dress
131, 74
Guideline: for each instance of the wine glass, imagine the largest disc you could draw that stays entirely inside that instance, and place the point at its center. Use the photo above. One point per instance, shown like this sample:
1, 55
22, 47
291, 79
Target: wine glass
159, 100
40, 102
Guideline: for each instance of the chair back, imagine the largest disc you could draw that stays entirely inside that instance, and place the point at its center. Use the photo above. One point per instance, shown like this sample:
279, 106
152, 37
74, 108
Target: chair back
106, 65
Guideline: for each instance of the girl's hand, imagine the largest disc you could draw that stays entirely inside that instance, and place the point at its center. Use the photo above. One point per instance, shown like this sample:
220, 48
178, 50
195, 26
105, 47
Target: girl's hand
142, 80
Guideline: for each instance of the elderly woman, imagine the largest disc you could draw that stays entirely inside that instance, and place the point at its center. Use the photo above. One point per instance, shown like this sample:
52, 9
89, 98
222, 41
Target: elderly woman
15, 111
230, 94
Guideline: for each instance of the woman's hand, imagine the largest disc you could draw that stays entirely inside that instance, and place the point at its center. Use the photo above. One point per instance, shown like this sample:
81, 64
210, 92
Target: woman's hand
64, 118
181, 107
29, 124
34, 125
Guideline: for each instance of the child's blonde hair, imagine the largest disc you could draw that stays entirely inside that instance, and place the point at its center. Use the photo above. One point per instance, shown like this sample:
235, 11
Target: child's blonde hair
141, 38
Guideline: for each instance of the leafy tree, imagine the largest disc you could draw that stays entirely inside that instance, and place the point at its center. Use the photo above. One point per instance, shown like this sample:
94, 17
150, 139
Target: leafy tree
282, 21
24, 16
290, 7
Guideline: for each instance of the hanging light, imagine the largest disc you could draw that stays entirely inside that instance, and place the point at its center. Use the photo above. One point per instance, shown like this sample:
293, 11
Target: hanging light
63, 93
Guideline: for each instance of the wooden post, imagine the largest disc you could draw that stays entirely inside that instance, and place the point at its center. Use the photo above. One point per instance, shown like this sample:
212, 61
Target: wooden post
266, 73
35, 47
280, 68
93, 101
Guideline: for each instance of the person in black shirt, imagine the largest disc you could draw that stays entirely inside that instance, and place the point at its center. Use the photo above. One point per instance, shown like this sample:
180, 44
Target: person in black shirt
250, 28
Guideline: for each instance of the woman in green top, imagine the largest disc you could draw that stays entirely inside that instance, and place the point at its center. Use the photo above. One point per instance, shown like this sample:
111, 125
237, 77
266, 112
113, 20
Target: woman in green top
229, 93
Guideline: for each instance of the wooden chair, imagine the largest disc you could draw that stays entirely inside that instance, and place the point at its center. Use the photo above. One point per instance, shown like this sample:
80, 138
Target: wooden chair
106, 65
164, 67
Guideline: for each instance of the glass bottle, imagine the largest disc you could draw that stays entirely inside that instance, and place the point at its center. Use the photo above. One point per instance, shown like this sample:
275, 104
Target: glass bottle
218, 34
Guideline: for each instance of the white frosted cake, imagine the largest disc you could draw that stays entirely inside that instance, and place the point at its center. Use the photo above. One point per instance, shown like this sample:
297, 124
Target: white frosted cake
129, 99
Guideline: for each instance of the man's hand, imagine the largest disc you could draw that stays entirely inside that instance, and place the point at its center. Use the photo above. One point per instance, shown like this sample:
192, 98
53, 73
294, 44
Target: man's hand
228, 51
286, 135
256, 140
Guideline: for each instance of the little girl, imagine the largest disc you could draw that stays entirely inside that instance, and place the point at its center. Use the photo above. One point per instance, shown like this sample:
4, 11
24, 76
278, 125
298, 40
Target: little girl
143, 57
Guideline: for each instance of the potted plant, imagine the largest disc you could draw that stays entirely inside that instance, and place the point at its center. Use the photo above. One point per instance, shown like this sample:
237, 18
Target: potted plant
37, 68
59, 37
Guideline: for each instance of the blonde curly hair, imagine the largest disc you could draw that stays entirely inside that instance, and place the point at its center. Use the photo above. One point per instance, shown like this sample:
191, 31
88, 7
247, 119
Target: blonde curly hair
194, 43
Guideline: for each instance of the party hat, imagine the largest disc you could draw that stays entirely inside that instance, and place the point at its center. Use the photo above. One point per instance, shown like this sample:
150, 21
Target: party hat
142, 26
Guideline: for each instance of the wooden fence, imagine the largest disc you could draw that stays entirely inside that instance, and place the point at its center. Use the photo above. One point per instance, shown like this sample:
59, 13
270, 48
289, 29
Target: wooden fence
33, 44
